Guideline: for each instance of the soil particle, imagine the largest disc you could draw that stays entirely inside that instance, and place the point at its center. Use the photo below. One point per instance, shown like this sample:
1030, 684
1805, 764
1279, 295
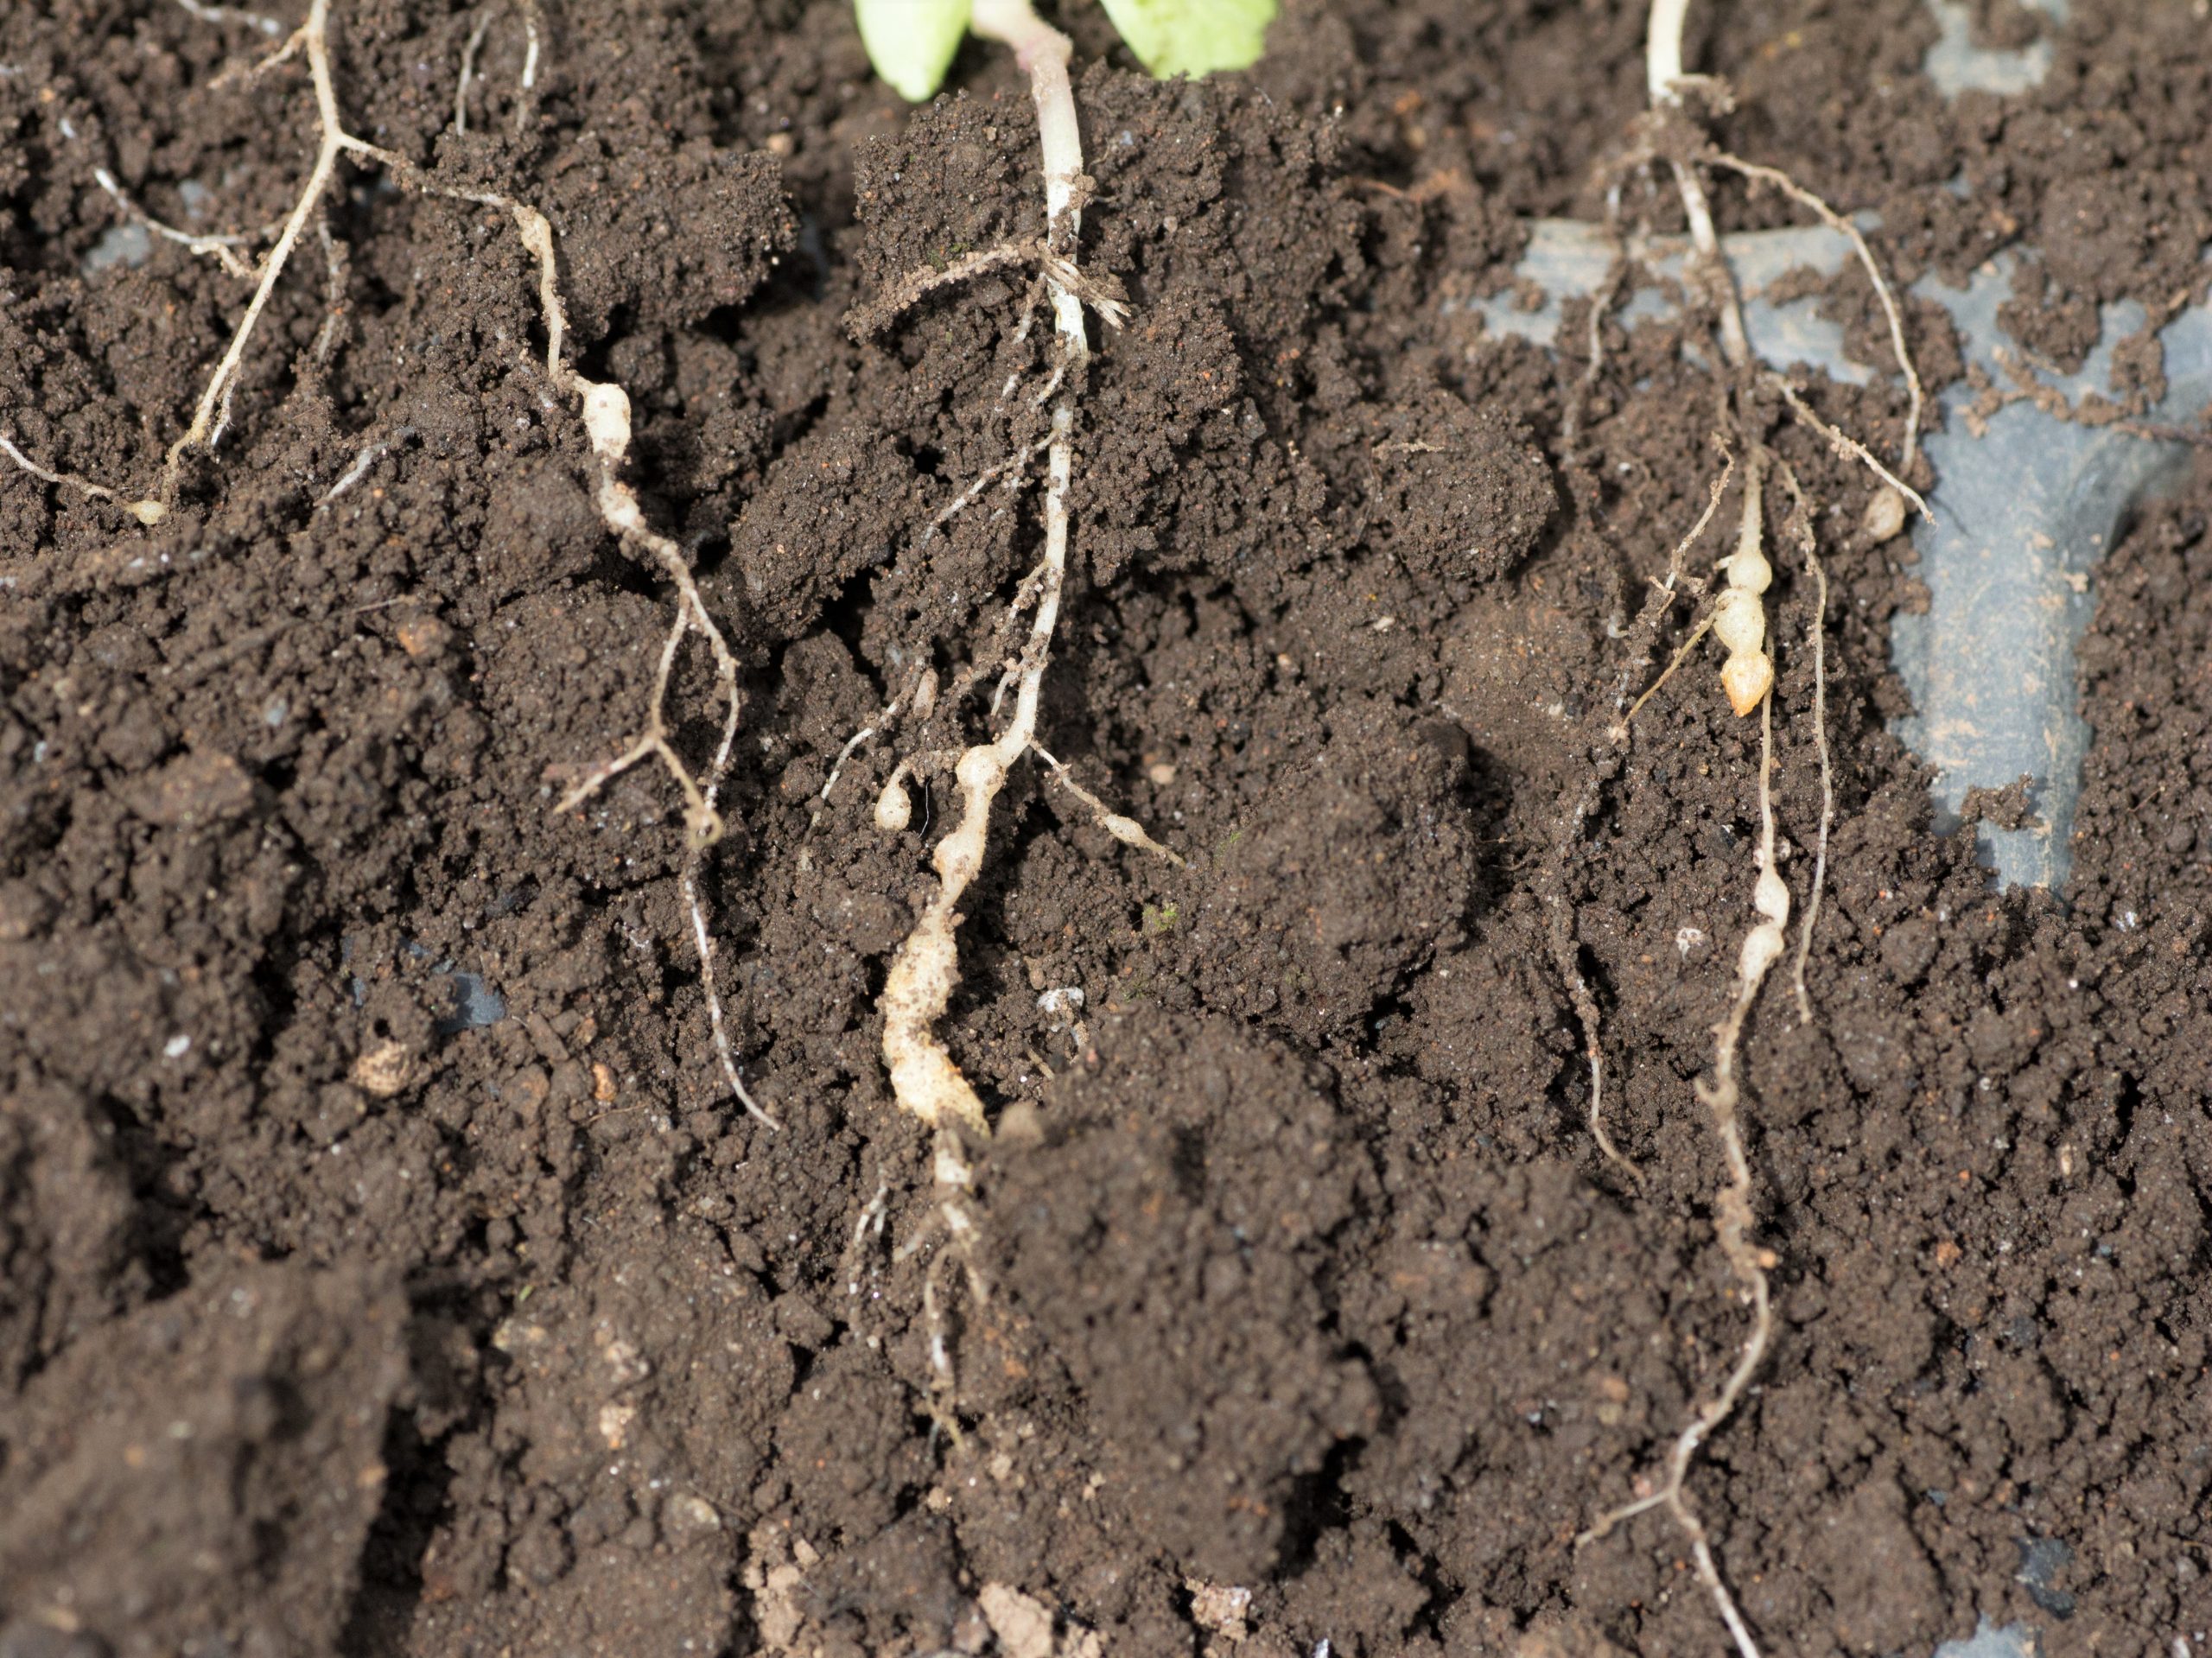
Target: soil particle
1458, 496
851, 1445
187, 1477
1885, 1586
1152, 1247
1355, 873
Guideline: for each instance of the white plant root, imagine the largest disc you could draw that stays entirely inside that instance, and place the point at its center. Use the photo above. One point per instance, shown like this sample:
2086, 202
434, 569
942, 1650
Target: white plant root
606, 414
1737, 621
1801, 525
924, 1081
1763, 946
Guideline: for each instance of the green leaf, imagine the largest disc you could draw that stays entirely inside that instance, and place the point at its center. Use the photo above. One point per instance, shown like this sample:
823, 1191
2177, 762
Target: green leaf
911, 42
1193, 37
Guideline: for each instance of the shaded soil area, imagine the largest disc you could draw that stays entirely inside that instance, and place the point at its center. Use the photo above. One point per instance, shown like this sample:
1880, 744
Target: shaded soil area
384, 1267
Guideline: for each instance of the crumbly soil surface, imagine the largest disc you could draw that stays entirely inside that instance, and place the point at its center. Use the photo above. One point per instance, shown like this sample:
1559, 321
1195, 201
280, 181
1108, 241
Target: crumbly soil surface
384, 1267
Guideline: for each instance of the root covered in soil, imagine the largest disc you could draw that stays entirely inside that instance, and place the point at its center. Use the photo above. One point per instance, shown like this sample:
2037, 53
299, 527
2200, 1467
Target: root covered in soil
1737, 621
604, 409
927, 969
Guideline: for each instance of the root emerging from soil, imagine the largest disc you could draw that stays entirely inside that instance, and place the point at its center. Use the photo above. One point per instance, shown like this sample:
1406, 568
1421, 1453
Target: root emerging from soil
1763, 946
605, 409
925, 1080
1737, 619
927, 968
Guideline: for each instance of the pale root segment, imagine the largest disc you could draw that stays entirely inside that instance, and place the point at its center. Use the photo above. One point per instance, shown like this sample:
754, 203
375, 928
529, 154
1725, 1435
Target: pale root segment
606, 413
1762, 948
1739, 621
1739, 615
148, 511
924, 1078
1801, 527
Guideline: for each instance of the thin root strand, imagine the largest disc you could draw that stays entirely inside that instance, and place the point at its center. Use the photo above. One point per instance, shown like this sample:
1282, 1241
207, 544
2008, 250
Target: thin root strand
1836, 221
1801, 524
148, 512
1127, 830
223, 248
1847, 446
1101, 294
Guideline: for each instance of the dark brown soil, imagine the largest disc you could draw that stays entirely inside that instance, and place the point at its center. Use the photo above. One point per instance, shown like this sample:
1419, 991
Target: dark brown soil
383, 1268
